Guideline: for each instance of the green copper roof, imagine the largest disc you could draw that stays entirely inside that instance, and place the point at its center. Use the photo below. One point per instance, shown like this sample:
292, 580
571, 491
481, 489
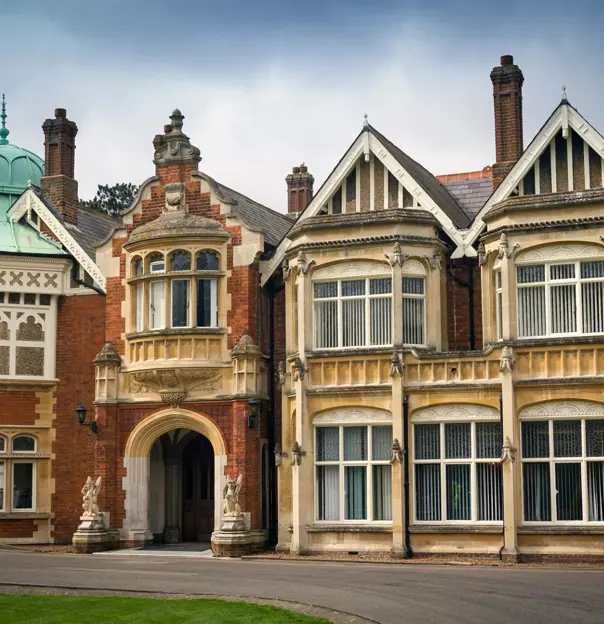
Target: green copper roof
18, 166
24, 239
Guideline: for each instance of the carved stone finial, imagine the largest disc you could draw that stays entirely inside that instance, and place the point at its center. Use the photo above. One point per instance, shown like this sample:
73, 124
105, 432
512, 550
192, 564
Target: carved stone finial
90, 498
108, 355
508, 451
174, 146
302, 263
396, 365
503, 250
564, 97
230, 495
279, 454
397, 452
481, 254
297, 454
397, 257
365, 120
282, 373
506, 363
175, 197
245, 347
300, 369
286, 269
435, 260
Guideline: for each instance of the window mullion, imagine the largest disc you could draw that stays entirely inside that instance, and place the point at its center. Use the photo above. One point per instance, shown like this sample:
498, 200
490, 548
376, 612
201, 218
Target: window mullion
552, 474
473, 485
578, 301
340, 329
584, 487
443, 476
369, 475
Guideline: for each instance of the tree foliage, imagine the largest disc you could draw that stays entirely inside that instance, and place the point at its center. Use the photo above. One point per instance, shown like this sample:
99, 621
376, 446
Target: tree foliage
112, 199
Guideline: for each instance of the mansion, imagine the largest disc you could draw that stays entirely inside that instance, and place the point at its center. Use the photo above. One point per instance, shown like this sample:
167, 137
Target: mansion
404, 363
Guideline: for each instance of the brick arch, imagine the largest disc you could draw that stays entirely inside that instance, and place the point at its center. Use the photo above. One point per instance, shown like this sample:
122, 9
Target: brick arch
143, 436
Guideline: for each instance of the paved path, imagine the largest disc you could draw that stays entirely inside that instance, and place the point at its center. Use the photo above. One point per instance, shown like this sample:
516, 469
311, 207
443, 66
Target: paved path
390, 594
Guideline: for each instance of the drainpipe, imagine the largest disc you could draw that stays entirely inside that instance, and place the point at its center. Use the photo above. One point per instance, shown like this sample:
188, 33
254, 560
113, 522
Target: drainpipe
406, 474
272, 480
502, 497
470, 286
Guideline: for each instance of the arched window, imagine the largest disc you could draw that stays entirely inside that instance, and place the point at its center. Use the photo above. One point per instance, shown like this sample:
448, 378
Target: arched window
24, 444
156, 263
207, 261
137, 267
180, 261
2, 445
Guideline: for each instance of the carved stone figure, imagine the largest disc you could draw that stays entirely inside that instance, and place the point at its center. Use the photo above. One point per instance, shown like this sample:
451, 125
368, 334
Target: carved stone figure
286, 269
435, 260
507, 360
503, 250
302, 263
397, 452
397, 256
508, 451
300, 370
230, 494
279, 455
282, 373
297, 454
90, 497
175, 197
396, 365
481, 254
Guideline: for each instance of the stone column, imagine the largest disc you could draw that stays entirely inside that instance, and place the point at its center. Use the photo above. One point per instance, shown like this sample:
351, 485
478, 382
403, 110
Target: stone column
173, 501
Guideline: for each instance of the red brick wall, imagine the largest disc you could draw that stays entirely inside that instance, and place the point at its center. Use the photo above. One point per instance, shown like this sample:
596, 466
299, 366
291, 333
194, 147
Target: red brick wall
458, 306
18, 408
80, 336
16, 528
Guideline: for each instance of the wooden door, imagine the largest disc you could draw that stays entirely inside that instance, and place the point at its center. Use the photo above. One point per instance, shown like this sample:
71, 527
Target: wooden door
198, 490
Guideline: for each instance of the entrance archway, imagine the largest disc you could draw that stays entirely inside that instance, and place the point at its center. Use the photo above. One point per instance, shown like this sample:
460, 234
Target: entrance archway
163, 473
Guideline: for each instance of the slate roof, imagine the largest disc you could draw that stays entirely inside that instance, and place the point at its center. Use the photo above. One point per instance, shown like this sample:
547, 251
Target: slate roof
471, 195
427, 181
275, 225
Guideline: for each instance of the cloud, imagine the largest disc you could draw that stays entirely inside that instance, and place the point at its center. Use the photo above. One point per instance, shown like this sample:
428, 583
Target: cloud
297, 97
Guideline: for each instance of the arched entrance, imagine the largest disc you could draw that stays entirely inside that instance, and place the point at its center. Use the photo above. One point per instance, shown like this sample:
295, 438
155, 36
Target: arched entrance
174, 464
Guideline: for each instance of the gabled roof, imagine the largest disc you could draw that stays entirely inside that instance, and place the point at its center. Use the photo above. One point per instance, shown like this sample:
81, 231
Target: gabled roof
19, 238
563, 117
471, 195
424, 186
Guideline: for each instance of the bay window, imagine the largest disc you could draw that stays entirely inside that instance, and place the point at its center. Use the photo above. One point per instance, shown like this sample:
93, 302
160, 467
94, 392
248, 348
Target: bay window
186, 296
563, 470
353, 473
561, 299
457, 472
17, 474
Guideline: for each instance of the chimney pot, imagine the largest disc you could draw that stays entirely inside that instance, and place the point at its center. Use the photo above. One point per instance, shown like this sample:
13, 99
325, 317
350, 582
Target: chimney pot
296, 170
507, 59
303, 168
299, 189
60, 113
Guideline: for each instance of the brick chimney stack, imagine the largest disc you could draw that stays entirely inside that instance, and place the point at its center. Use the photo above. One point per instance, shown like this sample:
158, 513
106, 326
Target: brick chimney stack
58, 183
299, 189
507, 82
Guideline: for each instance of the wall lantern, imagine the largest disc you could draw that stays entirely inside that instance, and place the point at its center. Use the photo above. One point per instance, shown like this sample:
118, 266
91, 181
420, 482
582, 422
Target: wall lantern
81, 412
254, 407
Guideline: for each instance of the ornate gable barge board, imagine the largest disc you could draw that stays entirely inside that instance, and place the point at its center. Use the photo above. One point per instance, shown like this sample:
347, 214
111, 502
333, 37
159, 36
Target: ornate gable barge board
563, 409
404, 178
562, 224
459, 411
29, 201
348, 415
528, 159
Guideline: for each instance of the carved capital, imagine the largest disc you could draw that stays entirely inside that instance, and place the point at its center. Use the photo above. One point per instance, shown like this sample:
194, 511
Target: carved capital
397, 452
175, 380
108, 356
279, 454
506, 364
508, 451
435, 260
297, 454
302, 263
286, 269
300, 369
174, 399
397, 257
503, 250
175, 197
397, 367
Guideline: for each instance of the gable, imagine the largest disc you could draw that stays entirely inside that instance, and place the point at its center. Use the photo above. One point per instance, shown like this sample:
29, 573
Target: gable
566, 155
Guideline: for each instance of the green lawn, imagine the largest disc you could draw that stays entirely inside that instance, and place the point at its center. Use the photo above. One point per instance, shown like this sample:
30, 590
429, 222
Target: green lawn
16, 609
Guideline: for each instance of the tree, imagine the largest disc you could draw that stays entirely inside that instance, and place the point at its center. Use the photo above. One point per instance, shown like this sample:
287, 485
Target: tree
112, 199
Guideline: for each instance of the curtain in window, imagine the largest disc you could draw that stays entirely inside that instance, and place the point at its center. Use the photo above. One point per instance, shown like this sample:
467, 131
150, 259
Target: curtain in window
595, 490
569, 505
563, 309
458, 492
22, 485
536, 484
355, 493
139, 307
355, 443
427, 492
413, 310
490, 492
353, 313
180, 303
382, 492
326, 324
157, 305
592, 297
531, 311
328, 492
380, 310
207, 303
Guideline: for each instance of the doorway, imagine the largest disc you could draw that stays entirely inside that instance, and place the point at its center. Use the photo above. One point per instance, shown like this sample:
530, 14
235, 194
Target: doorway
197, 489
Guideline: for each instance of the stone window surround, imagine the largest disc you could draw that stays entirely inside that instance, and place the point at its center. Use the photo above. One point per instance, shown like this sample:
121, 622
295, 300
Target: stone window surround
10, 457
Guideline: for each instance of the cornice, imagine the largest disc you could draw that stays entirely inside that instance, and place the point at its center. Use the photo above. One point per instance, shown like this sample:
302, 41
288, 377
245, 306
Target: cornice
539, 226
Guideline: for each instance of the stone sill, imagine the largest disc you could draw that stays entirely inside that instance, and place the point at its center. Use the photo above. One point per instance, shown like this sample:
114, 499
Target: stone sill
7, 383
177, 331
387, 387
348, 528
24, 515
344, 353
449, 529
561, 530
558, 380
578, 341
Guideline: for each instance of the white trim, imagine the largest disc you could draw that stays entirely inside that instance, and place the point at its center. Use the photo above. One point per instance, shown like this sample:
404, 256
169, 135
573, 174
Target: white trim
371, 182
577, 122
24, 204
353, 416
458, 412
358, 268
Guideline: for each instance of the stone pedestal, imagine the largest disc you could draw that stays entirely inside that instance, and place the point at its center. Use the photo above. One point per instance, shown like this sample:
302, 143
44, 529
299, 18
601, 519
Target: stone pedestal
233, 540
92, 536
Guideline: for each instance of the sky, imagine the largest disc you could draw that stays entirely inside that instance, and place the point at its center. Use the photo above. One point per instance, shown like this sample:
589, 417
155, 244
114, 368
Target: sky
270, 84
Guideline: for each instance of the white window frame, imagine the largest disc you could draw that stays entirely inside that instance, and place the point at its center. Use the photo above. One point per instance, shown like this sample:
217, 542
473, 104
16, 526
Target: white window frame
188, 312
368, 464
34, 486
547, 285
443, 461
367, 297
583, 460
9, 457
213, 300
499, 303
415, 296
161, 323
139, 321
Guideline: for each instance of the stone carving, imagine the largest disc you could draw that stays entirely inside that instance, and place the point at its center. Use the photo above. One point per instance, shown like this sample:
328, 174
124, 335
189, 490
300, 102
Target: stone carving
481, 254
175, 380
108, 355
508, 451
174, 146
507, 360
299, 368
297, 454
245, 348
17, 278
279, 454
397, 452
396, 365
282, 373
302, 263
174, 399
503, 249
435, 261
397, 257
175, 197
230, 495
90, 497
286, 269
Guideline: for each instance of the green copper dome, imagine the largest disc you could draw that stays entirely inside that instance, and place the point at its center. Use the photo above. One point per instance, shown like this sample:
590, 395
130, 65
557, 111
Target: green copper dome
18, 167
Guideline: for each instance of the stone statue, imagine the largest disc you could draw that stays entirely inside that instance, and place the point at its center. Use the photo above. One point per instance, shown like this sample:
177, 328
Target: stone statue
396, 365
90, 497
230, 493
397, 452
